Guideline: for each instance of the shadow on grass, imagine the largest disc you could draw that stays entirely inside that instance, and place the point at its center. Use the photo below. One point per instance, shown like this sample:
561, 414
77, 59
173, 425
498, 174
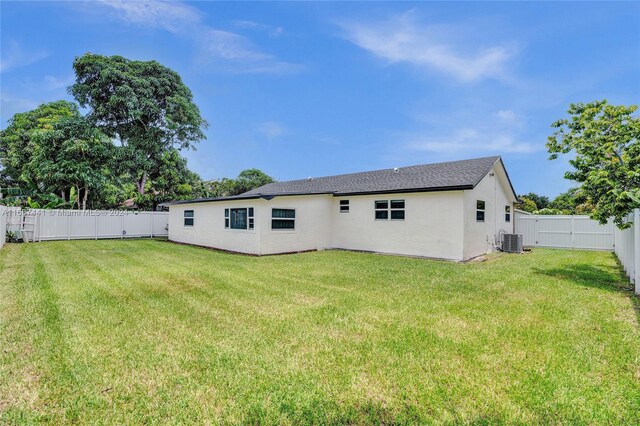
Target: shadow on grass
584, 274
603, 277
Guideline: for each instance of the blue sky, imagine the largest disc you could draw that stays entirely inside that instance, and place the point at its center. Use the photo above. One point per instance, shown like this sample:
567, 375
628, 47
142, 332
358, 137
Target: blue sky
313, 89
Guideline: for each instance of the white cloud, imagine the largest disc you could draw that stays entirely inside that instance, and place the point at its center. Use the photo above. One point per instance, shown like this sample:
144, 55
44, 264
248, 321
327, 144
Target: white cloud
502, 131
507, 115
231, 46
215, 45
54, 83
170, 16
469, 141
272, 129
15, 56
402, 40
272, 31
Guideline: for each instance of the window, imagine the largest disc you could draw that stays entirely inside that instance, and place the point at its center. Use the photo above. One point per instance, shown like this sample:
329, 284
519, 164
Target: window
480, 211
283, 219
385, 209
397, 209
239, 218
344, 206
507, 213
382, 210
188, 218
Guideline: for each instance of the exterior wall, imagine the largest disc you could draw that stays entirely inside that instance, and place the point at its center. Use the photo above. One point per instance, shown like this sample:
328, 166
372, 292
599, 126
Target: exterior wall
312, 225
483, 237
208, 226
437, 224
432, 225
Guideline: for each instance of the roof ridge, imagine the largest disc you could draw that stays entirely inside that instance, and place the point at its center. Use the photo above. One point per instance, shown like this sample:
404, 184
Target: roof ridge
380, 170
444, 176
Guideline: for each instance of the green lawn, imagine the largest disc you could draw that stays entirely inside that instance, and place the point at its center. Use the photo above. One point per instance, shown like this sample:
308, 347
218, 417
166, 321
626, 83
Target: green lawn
146, 331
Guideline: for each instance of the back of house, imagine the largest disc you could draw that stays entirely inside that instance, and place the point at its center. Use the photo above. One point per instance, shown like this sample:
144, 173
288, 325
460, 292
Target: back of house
453, 210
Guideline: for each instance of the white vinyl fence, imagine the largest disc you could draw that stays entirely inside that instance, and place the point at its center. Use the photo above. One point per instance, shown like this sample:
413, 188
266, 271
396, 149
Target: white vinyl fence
3, 225
45, 225
627, 248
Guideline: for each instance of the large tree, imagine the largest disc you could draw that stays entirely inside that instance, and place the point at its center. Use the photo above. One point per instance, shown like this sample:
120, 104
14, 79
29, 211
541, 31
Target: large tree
574, 201
173, 181
250, 179
73, 157
18, 143
541, 201
52, 156
605, 141
142, 104
527, 204
246, 181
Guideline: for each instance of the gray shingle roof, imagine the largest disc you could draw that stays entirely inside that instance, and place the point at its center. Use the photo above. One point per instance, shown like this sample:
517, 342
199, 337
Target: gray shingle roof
439, 176
453, 175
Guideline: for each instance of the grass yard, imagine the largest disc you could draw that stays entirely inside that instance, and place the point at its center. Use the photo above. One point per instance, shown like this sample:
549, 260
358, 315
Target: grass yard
146, 331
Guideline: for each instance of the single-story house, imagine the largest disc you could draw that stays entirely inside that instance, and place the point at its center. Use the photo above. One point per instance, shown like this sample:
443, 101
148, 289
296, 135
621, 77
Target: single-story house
454, 210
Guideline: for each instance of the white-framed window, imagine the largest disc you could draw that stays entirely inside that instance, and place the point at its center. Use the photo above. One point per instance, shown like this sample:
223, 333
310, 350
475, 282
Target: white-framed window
507, 213
389, 209
239, 218
344, 206
283, 219
480, 209
188, 218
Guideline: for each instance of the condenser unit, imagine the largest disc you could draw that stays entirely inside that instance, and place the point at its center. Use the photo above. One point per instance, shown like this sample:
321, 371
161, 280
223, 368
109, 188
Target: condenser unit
512, 243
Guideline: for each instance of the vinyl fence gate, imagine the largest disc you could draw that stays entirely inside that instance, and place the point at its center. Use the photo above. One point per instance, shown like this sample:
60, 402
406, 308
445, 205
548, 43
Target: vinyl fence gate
576, 232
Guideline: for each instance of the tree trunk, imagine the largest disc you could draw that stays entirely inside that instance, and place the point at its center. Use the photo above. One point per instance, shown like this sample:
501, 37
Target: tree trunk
140, 184
84, 199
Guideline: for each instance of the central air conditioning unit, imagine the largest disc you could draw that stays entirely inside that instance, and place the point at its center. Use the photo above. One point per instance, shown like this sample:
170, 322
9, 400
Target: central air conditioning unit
512, 243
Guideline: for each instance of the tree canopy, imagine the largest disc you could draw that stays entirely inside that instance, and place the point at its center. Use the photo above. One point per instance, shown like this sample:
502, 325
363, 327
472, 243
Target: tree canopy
541, 201
54, 150
172, 180
527, 204
126, 150
72, 154
18, 143
143, 104
574, 201
605, 142
250, 179
246, 181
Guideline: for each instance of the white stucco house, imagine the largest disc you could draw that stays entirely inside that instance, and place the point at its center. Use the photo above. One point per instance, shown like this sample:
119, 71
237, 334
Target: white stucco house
454, 210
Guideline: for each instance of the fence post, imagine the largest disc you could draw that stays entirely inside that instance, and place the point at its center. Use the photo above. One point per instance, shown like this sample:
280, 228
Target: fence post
636, 261
68, 225
96, 224
122, 228
152, 216
573, 232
